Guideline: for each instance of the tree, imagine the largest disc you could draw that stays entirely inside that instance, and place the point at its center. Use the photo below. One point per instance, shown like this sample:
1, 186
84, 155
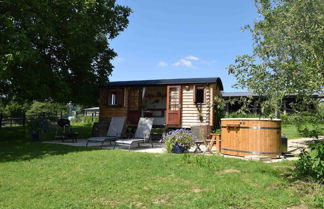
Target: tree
38, 108
57, 50
288, 53
14, 108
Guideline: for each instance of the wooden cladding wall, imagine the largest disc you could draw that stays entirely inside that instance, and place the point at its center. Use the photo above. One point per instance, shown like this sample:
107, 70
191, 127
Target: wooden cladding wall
192, 113
109, 111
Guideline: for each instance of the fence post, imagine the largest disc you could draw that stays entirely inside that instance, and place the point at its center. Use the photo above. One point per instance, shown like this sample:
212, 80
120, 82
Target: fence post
1, 120
92, 117
61, 115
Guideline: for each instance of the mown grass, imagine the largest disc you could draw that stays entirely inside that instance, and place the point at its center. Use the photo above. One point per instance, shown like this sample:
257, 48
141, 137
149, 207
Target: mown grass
291, 131
36, 175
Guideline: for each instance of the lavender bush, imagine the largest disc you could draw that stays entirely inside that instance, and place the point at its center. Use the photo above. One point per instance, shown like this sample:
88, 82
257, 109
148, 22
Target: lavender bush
180, 137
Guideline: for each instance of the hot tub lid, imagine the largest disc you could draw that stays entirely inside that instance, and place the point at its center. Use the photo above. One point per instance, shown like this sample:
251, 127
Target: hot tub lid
263, 119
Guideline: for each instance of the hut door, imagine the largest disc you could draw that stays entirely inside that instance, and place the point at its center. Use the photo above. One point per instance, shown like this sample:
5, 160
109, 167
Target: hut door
173, 116
134, 112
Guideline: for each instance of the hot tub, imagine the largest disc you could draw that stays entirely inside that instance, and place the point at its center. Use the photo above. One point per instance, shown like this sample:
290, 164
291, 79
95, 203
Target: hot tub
251, 137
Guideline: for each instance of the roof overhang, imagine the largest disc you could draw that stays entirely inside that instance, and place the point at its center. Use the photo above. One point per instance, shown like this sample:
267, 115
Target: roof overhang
163, 82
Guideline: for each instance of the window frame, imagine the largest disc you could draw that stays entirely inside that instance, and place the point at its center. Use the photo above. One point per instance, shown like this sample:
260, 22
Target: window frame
118, 92
195, 94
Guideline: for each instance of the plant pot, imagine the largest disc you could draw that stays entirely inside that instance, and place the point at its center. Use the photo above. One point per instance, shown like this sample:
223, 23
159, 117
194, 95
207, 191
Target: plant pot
178, 149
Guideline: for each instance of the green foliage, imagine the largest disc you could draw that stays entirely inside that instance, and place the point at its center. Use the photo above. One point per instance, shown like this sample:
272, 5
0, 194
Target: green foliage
58, 50
288, 53
219, 110
180, 137
85, 120
311, 163
15, 108
41, 126
38, 108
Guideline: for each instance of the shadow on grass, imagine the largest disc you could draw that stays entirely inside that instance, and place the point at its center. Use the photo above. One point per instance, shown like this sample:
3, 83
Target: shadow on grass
16, 145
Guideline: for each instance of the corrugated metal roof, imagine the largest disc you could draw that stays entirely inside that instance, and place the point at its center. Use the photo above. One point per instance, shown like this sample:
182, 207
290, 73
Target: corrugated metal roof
237, 94
167, 82
245, 94
92, 108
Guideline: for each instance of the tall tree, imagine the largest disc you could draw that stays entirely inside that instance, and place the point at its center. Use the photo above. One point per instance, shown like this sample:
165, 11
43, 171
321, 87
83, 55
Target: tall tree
288, 51
58, 49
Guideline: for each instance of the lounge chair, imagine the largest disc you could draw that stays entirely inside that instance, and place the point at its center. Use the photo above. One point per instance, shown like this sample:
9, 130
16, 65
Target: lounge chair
142, 134
114, 131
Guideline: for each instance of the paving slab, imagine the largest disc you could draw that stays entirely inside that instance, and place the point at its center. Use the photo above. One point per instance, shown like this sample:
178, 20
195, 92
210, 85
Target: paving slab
294, 148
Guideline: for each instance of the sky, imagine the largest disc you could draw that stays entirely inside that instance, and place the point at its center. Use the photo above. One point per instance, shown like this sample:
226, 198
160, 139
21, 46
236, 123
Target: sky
182, 39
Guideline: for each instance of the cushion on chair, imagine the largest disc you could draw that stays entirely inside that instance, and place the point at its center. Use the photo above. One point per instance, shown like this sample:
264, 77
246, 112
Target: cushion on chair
144, 128
129, 141
116, 126
101, 139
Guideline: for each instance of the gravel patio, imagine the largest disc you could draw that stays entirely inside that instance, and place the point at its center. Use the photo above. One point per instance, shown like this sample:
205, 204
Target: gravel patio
294, 147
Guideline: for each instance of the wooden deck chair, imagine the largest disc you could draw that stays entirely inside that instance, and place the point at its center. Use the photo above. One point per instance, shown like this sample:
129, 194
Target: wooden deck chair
142, 134
114, 132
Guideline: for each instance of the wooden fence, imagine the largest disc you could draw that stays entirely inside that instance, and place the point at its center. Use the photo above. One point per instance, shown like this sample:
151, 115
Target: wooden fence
9, 121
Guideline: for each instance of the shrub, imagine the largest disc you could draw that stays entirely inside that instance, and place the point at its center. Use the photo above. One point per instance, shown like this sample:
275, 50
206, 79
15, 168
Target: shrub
14, 108
311, 163
180, 137
38, 108
85, 120
39, 127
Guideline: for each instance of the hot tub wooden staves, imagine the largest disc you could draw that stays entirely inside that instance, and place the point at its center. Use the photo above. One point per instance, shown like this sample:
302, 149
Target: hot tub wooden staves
251, 136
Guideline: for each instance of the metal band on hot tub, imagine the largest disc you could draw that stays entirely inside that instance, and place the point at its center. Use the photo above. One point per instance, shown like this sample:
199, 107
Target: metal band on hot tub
252, 127
234, 150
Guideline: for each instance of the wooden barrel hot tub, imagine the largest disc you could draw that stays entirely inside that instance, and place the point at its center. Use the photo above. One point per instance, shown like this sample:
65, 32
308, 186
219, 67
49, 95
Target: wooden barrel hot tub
251, 137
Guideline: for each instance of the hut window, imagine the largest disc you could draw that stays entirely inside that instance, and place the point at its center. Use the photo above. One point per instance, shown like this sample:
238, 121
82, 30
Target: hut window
113, 98
199, 94
116, 97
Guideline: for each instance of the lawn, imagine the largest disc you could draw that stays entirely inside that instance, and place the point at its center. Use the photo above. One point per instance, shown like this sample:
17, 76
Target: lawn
291, 131
35, 175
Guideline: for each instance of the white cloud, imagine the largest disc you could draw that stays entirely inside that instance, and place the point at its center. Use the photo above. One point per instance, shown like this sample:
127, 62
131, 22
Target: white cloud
183, 62
187, 61
192, 58
162, 64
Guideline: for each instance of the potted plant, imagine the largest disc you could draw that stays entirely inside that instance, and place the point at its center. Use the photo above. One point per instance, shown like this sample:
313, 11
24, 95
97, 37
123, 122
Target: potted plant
179, 141
36, 126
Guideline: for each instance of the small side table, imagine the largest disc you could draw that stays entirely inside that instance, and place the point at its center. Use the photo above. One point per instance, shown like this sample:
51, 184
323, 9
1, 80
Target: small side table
198, 149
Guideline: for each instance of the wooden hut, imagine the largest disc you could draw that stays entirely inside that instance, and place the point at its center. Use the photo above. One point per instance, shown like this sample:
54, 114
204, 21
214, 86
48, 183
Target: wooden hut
173, 103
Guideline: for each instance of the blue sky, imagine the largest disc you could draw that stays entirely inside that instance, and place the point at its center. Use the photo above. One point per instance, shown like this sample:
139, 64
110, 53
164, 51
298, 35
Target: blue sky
182, 39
